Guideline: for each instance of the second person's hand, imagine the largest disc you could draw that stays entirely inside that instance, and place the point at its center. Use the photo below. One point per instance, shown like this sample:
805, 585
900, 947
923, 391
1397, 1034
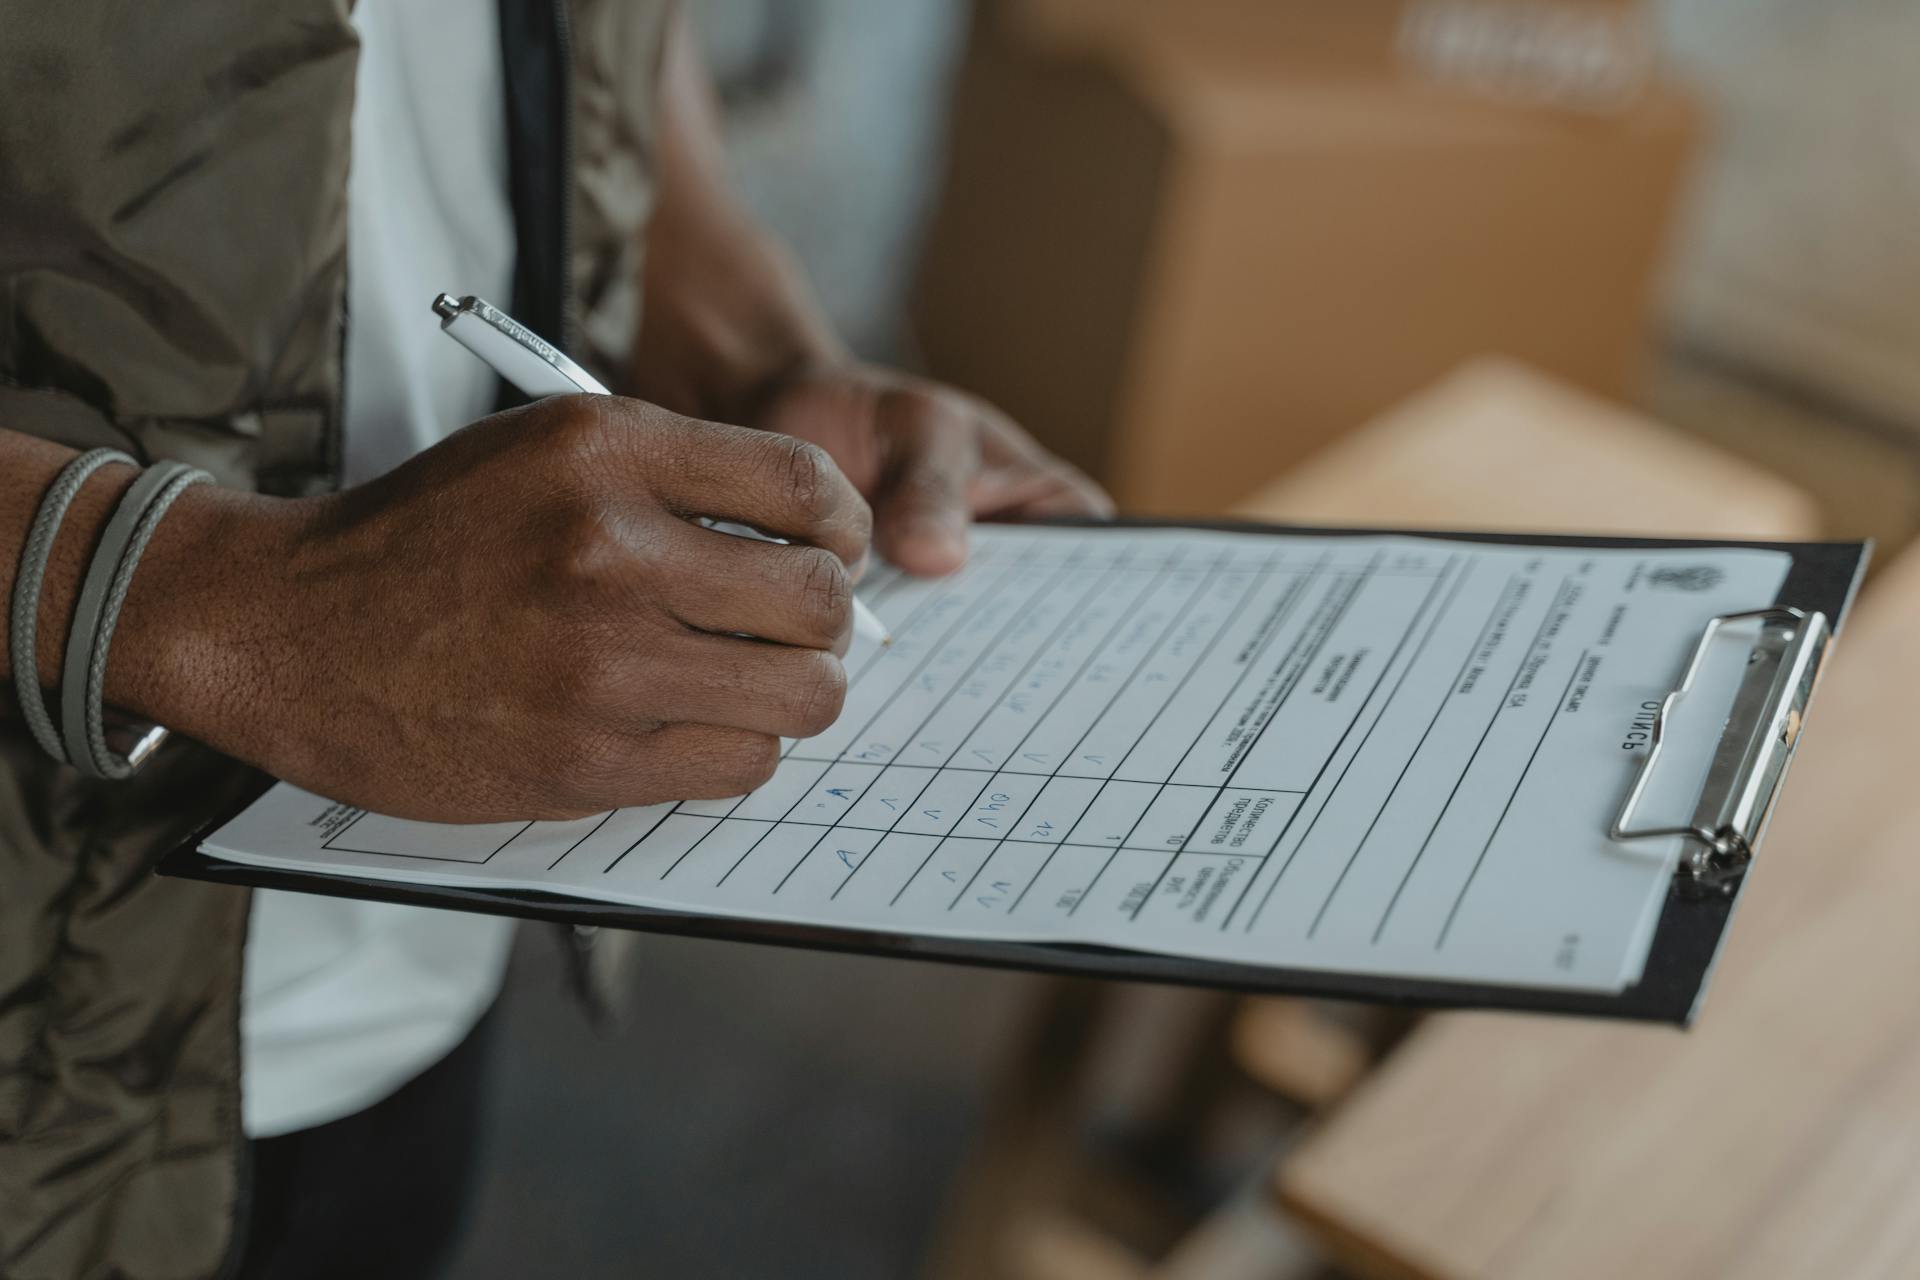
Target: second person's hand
930, 459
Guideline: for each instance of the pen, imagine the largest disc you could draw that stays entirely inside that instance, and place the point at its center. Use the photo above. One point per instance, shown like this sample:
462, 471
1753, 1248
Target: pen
539, 369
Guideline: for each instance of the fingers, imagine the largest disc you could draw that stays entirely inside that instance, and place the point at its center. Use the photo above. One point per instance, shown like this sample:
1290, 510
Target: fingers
777, 484
1019, 478
1054, 490
922, 513
697, 762
737, 683
792, 595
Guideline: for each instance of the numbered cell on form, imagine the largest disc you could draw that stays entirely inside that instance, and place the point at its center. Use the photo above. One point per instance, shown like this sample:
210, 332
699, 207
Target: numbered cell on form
1056, 810
1173, 817
1196, 891
1114, 813
1122, 887
1051, 897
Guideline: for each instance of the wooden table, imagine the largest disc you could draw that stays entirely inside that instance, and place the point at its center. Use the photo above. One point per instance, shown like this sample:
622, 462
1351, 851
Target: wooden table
1778, 1138
1493, 446
1497, 445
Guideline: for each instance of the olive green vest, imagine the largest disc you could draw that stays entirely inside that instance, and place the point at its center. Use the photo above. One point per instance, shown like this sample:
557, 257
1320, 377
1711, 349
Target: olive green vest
172, 271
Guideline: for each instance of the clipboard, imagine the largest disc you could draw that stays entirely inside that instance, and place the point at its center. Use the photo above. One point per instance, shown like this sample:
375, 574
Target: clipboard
1723, 836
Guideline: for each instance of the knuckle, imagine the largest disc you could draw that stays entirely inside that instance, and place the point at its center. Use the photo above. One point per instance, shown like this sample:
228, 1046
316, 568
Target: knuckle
806, 477
588, 549
579, 426
716, 763
589, 668
818, 695
826, 591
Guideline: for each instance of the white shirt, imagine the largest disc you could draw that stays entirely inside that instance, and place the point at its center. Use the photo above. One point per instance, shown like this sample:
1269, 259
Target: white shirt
345, 1001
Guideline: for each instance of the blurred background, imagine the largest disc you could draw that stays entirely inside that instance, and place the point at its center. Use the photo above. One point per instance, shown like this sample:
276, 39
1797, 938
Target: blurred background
1578, 264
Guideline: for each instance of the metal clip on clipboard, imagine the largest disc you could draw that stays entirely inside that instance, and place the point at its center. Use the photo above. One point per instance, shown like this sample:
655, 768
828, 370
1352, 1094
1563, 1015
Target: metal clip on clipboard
1743, 777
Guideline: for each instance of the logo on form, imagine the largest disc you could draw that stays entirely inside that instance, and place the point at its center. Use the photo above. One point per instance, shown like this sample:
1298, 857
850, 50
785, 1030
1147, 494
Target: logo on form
1686, 577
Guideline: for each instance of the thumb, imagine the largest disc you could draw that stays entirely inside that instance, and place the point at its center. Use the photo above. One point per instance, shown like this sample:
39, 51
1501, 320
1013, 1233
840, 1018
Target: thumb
920, 510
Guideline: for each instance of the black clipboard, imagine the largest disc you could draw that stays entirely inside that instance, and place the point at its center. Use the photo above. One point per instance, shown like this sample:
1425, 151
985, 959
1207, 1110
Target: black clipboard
1810, 607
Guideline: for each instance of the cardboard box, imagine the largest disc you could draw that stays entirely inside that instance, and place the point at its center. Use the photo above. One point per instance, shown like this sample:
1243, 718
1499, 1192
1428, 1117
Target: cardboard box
1497, 445
1187, 245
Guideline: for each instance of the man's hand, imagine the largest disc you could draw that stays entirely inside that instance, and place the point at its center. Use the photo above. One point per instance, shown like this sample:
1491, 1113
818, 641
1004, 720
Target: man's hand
930, 459
730, 331
521, 622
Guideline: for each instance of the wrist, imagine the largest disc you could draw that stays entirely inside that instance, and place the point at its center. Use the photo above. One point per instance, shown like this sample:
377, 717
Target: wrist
193, 649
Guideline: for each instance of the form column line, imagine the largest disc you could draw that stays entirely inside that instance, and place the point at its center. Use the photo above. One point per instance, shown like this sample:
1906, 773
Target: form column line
1066, 621
1446, 698
1553, 719
1072, 681
1353, 856
1295, 593
1553, 607
1361, 710
1309, 649
933, 650
1206, 581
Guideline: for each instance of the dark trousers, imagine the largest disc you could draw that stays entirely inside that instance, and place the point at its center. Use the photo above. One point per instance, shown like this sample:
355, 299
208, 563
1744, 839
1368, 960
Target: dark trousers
379, 1193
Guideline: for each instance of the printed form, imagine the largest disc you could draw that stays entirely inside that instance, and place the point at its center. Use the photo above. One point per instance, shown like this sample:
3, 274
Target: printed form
1384, 755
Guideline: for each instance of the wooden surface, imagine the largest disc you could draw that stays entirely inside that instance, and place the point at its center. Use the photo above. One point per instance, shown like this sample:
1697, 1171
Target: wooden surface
1778, 1138
1477, 451
1496, 445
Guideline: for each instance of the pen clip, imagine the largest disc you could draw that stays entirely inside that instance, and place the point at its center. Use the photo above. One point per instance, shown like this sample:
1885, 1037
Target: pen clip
510, 349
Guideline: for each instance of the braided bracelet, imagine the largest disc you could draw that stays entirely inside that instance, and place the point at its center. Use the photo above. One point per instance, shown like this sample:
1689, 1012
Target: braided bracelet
102, 592
25, 620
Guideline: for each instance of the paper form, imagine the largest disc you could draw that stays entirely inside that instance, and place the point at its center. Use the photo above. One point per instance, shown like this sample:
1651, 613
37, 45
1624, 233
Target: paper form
1384, 755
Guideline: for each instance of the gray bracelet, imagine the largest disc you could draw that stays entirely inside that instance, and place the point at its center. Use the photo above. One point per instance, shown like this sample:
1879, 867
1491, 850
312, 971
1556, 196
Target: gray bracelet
25, 620
104, 590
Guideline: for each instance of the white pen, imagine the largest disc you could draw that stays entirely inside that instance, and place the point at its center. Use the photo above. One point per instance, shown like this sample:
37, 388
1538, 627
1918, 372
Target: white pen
539, 369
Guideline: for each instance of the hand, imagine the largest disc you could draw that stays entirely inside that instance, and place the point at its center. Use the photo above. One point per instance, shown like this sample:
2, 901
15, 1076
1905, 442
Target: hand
521, 622
930, 459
